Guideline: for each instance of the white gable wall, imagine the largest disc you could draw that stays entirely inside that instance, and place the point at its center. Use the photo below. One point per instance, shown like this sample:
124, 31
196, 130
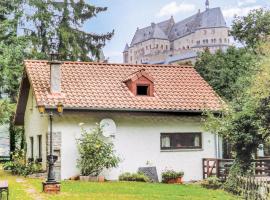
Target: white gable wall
34, 125
137, 142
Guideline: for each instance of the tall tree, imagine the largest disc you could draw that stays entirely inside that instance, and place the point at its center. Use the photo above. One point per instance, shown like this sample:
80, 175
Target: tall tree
227, 72
252, 29
12, 47
58, 26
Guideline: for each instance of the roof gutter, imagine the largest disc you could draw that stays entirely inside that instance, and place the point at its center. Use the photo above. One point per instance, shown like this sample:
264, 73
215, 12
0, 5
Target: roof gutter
198, 112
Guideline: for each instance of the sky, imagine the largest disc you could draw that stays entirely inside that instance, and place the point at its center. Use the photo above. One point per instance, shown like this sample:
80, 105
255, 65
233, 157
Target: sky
124, 16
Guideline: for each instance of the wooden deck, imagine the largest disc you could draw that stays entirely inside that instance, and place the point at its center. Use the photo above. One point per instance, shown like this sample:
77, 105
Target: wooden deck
220, 167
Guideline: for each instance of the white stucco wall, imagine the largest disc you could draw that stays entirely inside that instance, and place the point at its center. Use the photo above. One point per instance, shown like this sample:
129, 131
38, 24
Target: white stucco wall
34, 125
137, 141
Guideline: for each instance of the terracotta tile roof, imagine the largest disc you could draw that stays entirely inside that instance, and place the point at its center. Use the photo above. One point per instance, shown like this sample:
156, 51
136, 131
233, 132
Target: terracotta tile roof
99, 86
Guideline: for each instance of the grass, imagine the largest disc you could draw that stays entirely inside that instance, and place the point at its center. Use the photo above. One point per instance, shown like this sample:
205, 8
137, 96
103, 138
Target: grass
77, 190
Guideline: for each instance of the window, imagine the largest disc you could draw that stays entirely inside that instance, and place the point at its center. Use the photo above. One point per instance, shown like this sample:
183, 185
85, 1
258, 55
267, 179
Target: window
142, 90
180, 141
32, 147
39, 146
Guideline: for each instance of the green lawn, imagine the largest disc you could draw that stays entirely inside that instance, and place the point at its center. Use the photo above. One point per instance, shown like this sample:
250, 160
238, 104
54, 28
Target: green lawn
75, 190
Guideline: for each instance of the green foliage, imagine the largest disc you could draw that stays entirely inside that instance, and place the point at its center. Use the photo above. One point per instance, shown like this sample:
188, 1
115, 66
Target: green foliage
5, 111
138, 177
63, 22
95, 153
171, 174
227, 72
252, 29
211, 183
12, 47
245, 122
16, 135
19, 166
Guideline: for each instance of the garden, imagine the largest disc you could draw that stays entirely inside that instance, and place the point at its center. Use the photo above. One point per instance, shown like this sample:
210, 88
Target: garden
22, 188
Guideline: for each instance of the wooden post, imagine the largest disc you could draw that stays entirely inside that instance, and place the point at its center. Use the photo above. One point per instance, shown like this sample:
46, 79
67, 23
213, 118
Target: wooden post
203, 171
217, 168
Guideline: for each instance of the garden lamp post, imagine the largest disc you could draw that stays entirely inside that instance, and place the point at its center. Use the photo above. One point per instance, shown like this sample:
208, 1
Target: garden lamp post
51, 186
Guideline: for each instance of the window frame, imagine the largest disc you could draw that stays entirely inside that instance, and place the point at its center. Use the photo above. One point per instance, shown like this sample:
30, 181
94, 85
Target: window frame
181, 148
39, 137
145, 85
31, 147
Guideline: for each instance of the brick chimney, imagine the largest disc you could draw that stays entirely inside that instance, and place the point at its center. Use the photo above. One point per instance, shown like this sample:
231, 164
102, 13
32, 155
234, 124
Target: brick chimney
55, 77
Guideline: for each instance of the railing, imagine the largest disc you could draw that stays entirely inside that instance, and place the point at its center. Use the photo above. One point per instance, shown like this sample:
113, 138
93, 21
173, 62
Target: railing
220, 167
4, 158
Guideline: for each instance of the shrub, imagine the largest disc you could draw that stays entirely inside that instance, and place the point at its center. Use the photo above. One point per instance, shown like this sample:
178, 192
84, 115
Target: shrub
95, 153
138, 177
211, 183
19, 166
171, 174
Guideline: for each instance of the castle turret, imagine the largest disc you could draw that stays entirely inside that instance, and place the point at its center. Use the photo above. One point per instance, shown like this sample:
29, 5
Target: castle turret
207, 4
125, 54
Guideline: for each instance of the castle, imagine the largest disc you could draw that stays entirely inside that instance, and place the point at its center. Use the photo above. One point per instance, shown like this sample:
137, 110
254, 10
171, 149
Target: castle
170, 42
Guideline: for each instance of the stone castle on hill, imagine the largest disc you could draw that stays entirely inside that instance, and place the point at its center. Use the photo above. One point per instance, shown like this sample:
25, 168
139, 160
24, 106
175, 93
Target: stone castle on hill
173, 42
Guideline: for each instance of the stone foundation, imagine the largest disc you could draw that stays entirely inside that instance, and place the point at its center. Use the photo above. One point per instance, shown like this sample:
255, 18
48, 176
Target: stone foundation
51, 188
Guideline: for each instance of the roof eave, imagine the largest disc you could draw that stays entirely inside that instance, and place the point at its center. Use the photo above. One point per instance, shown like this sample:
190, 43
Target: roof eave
87, 109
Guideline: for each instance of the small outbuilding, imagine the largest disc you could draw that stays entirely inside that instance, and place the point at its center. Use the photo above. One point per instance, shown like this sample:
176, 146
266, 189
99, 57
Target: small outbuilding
153, 114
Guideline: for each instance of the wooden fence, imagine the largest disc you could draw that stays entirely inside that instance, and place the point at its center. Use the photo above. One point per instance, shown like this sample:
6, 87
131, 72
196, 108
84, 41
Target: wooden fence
254, 188
220, 167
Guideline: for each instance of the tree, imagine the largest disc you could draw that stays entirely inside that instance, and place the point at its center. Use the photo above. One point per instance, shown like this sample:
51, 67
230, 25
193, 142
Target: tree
12, 47
245, 123
252, 29
95, 153
60, 23
227, 72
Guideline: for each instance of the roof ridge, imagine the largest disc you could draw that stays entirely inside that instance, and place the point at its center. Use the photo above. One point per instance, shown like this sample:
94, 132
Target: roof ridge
121, 64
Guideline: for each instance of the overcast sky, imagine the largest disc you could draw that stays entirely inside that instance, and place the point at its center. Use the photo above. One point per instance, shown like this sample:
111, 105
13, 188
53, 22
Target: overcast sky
124, 16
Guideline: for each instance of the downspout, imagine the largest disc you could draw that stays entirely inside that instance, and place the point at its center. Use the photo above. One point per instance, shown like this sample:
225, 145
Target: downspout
216, 152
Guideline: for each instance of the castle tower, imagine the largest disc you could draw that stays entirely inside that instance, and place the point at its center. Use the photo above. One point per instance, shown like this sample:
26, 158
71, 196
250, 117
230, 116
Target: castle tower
207, 4
125, 54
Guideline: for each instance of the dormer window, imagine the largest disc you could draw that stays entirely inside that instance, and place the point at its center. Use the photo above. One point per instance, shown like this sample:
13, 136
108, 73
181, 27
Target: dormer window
142, 90
140, 83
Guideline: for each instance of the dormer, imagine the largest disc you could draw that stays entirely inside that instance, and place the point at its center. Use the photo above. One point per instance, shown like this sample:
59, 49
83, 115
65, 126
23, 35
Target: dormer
140, 83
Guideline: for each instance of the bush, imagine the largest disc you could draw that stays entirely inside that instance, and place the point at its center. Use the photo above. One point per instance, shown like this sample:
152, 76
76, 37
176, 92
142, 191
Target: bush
171, 174
138, 177
95, 153
211, 183
19, 166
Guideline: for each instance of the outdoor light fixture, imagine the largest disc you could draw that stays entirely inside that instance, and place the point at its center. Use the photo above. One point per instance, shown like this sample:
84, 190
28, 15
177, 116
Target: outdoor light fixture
41, 109
60, 108
51, 185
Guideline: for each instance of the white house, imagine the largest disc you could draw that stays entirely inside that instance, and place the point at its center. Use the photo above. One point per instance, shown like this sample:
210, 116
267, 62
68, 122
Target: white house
153, 114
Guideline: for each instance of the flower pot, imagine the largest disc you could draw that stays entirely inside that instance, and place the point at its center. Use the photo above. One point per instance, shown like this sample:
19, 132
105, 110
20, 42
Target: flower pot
84, 178
178, 180
92, 178
101, 178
